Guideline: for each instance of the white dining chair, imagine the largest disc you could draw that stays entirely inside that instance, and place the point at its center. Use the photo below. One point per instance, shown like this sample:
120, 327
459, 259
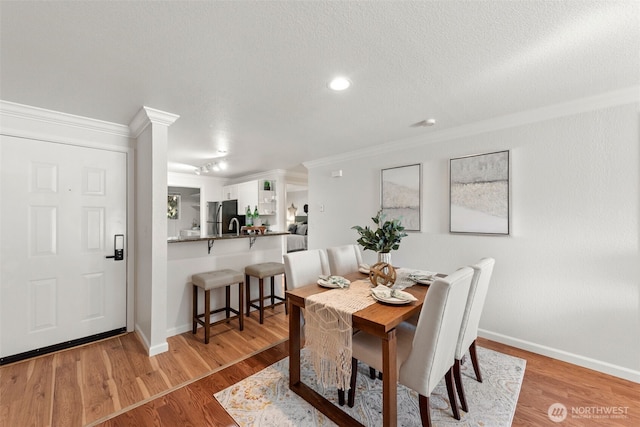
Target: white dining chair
469, 330
303, 267
424, 352
344, 259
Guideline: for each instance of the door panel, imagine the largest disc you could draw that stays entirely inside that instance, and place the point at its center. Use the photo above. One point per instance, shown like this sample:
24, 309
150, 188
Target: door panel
60, 207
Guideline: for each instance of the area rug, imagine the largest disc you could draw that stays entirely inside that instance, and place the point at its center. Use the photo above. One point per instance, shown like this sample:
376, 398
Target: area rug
264, 399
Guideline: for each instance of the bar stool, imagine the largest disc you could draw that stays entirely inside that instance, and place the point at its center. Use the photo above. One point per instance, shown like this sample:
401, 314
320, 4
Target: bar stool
262, 271
213, 280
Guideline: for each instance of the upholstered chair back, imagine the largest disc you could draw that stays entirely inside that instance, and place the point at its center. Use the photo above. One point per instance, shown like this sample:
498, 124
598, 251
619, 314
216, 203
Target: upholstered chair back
436, 335
344, 259
303, 267
482, 272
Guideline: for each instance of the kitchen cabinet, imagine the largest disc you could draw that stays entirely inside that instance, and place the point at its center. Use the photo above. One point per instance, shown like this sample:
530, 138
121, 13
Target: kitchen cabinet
230, 192
247, 196
260, 193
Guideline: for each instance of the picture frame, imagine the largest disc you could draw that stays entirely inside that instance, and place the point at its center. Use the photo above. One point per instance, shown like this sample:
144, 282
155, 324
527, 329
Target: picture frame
479, 194
401, 195
173, 206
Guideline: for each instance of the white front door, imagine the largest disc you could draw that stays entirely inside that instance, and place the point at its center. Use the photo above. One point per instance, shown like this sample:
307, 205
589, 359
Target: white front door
60, 208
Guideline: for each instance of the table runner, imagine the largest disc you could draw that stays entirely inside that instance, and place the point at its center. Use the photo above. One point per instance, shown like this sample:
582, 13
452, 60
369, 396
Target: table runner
402, 278
328, 329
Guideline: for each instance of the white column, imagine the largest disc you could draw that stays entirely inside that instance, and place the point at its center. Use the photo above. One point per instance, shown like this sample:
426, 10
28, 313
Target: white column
150, 129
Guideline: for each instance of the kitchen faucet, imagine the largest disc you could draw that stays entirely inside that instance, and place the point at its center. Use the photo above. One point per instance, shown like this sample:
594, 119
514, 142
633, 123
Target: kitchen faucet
237, 223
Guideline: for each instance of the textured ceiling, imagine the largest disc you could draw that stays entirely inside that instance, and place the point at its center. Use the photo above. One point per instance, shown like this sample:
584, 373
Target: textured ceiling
251, 77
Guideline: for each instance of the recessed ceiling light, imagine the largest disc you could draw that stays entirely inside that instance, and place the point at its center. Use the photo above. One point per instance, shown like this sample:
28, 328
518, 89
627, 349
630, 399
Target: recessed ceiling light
339, 83
424, 123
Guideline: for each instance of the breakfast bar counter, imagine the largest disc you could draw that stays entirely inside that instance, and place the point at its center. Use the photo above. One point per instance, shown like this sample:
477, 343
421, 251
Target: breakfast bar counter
211, 239
225, 237
193, 255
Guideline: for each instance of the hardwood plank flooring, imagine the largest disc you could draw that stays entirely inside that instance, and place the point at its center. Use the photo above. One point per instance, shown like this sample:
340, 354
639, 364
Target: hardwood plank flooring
175, 388
86, 384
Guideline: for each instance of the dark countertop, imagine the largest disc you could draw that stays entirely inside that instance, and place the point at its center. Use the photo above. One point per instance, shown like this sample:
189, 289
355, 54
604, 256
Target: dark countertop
225, 237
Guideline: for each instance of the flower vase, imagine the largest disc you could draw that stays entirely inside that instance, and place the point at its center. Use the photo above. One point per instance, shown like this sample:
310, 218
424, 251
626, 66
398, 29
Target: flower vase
384, 257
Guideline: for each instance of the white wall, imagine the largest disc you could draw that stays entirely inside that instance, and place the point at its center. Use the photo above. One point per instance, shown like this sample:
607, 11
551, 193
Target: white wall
566, 280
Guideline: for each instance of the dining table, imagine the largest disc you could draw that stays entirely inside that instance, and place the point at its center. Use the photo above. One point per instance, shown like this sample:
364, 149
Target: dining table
378, 319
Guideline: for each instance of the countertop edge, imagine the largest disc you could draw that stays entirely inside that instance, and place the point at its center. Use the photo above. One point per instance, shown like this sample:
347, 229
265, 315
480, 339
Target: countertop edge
226, 237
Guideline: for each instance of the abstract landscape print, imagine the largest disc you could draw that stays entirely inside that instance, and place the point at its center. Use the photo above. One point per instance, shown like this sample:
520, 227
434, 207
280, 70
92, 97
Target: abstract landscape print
479, 194
400, 195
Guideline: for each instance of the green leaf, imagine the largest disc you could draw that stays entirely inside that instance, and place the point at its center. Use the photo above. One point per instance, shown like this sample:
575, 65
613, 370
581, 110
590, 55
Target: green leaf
385, 238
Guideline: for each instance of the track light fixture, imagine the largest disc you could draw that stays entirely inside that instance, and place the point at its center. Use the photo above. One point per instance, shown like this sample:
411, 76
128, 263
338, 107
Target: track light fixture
211, 167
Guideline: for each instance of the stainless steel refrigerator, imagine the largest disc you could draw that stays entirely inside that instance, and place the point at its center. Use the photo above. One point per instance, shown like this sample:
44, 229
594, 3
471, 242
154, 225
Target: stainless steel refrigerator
219, 215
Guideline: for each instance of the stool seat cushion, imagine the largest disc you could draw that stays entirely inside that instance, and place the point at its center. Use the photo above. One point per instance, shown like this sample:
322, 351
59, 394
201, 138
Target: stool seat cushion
217, 279
265, 269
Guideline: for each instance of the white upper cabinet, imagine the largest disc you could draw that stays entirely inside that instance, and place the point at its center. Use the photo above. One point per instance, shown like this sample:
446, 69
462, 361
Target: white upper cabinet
247, 196
260, 193
230, 192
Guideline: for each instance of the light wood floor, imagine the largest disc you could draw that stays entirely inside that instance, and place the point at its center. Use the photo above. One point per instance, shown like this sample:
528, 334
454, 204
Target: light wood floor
114, 383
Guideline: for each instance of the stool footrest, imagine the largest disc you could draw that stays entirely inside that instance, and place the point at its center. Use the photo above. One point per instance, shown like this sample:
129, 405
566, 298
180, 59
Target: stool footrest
256, 306
200, 317
268, 297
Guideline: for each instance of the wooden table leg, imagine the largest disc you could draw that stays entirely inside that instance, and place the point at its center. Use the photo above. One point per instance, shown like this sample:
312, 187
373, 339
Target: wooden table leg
389, 380
294, 344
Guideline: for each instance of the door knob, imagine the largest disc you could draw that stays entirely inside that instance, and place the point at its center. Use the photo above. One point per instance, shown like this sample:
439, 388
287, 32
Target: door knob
118, 247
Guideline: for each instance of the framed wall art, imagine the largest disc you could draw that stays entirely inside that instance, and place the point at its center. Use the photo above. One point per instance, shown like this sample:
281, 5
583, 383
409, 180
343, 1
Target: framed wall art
401, 195
173, 207
479, 194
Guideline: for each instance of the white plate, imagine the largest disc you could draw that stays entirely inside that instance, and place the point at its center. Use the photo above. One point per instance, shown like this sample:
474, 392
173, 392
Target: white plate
363, 270
329, 284
381, 296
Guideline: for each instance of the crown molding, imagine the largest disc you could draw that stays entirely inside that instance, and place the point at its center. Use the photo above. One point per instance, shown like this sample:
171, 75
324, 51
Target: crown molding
629, 95
146, 116
297, 176
277, 173
28, 112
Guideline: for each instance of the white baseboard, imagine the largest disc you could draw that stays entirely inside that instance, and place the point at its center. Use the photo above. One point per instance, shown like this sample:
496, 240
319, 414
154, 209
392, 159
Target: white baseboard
179, 330
575, 359
156, 349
